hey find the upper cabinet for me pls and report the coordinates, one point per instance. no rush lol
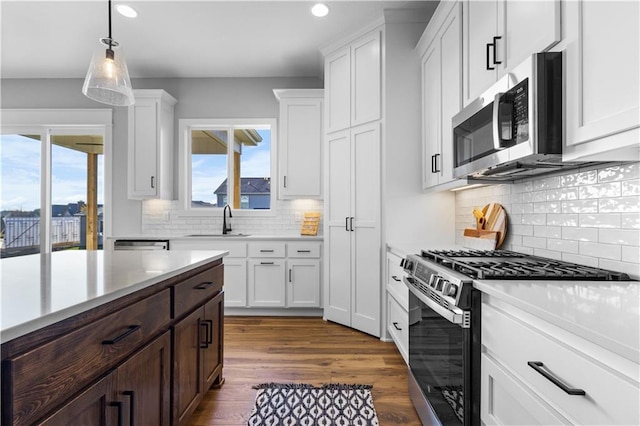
(150, 161)
(300, 142)
(500, 34)
(353, 82)
(440, 48)
(602, 54)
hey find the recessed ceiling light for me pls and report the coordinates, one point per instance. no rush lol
(127, 11)
(320, 10)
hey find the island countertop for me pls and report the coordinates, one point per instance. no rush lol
(41, 289)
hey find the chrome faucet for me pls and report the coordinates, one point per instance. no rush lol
(226, 227)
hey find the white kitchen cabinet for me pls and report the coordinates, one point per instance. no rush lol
(602, 55)
(352, 212)
(303, 283)
(397, 304)
(353, 83)
(499, 34)
(300, 143)
(266, 282)
(440, 48)
(150, 155)
(235, 265)
(517, 393)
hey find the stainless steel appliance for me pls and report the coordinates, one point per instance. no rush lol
(515, 129)
(141, 245)
(444, 343)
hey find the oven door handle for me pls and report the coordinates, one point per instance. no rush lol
(461, 319)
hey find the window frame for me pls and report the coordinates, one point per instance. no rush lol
(51, 122)
(185, 127)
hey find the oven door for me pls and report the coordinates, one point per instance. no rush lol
(445, 383)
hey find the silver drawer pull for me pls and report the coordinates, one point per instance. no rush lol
(540, 368)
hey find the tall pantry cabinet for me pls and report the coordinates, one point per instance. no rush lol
(358, 116)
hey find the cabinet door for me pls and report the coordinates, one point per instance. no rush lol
(480, 18)
(266, 282)
(338, 90)
(431, 86)
(301, 154)
(365, 247)
(531, 26)
(235, 282)
(506, 401)
(187, 366)
(143, 149)
(212, 347)
(337, 295)
(143, 384)
(93, 407)
(365, 79)
(602, 59)
(303, 281)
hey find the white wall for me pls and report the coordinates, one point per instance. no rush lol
(589, 216)
(197, 98)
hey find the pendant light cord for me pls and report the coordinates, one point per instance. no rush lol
(110, 39)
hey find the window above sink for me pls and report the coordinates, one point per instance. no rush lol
(227, 161)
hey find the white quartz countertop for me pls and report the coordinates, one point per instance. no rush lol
(41, 289)
(234, 236)
(606, 313)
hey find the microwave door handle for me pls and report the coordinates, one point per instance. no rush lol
(501, 108)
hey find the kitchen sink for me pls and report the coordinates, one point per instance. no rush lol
(218, 235)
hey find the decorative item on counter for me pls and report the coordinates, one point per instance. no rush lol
(491, 228)
(310, 223)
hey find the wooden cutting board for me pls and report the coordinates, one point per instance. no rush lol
(494, 218)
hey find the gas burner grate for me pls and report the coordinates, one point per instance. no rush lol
(504, 264)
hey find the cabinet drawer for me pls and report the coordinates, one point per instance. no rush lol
(266, 249)
(43, 378)
(235, 248)
(394, 280)
(197, 289)
(608, 399)
(398, 326)
(303, 249)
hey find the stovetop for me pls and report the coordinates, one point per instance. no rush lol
(504, 264)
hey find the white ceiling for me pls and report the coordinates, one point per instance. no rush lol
(55, 39)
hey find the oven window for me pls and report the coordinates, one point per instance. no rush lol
(473, 139)
(436, 349)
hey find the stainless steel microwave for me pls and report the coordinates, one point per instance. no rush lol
(515, 129)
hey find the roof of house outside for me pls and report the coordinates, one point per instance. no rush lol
(249, 185)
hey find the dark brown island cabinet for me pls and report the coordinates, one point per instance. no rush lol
(144, 359)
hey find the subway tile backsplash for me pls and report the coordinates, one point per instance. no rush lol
(283, 222)
(587, 216)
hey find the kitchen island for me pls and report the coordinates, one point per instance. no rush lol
(96, 335)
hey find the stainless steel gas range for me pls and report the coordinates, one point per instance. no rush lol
(444, 340)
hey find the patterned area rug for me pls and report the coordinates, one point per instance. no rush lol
(332, 404)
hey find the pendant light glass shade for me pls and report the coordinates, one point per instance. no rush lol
(107, 80)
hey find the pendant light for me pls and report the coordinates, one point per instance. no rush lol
(107, 80)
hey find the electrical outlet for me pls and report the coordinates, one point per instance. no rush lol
(297, 216)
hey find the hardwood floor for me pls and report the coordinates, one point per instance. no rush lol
(303, 350)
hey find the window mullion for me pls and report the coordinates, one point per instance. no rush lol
(45, 192)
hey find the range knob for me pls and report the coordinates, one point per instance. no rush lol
(408, 265)
(450, 290)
